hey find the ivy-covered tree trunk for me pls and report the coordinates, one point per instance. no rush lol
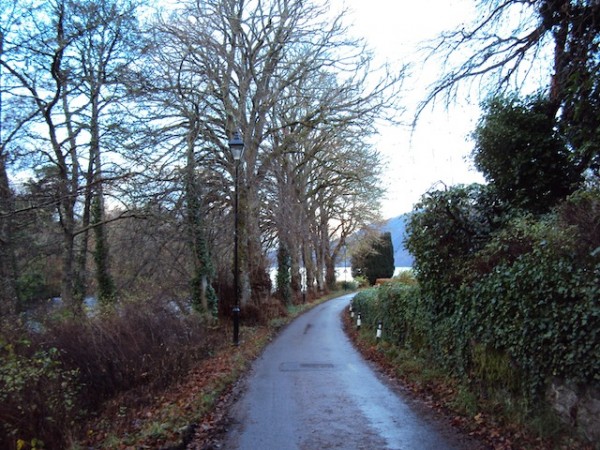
(8, 293)
(106, 286)
(81, 257)
(284, 288)
(330, 277)
(67, 290)
(295, 275)
(202, 265)
(308, 266)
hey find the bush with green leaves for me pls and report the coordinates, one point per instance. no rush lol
(375, 259)
(398, 306)
(32, 289)
(520, 152)
(503, 298)
(38, 395)
(540, 303)
(347, 285)
(447, 227)
(361, 281)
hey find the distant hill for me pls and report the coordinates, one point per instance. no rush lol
(397, 227)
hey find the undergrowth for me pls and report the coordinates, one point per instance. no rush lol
(192, 408)
(489, 409)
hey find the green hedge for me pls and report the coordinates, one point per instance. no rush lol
(543, 311)
(504, 296)
(524, 323)
(400, 310)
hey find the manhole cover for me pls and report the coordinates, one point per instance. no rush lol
(295, 366)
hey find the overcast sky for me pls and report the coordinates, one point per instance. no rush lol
(439, 149)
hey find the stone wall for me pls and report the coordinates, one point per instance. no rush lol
(580, 408)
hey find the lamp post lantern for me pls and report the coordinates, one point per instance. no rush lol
(236, 145)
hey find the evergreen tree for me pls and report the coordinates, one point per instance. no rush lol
(283, 275)
(521, 154)
(375, 261)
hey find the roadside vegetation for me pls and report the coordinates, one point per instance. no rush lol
(485, 391)
(121, 200)
(129, 230)
(503, 314)
(505, 304)
(502, 326)
(141, 375)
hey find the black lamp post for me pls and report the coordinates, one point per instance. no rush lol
(236, 145)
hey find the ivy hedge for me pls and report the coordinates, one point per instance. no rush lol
(400, 310)
(543, 311)
(521, 308)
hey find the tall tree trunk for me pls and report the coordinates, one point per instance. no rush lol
(321, 247)
(202, 266)
(295, 275)
(68, 250)
(255, 279)
(81, 277)
(8, 291)
(284, 288)
(79, 282)
(309, 266)
(106, 286)
(330, 278)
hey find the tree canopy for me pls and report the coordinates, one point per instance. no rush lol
(117, 110)
(375, 259)
(510, 40)
(522, 155)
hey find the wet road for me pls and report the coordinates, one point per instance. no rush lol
(312, 390)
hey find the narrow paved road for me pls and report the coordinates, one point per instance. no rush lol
(312, 390)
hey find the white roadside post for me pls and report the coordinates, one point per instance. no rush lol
(379, 331)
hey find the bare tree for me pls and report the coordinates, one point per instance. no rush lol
(256, 59)
(510, 39)
(68, 59)
(102, 57)
(325, 186)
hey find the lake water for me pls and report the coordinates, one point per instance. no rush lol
(345, 273)
(341, 274)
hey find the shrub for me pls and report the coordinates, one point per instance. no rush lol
(32, 288)
(515, 310)
(521, 153)
(399, 308)
(70, 365)
(38, 396)
(347, 285)
(406, 277)
(361, 281)
(444, 232)
(543, 311)
(522, 286)
(136, 344)
(374, 260)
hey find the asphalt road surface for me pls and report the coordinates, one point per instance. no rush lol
(312, 390)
